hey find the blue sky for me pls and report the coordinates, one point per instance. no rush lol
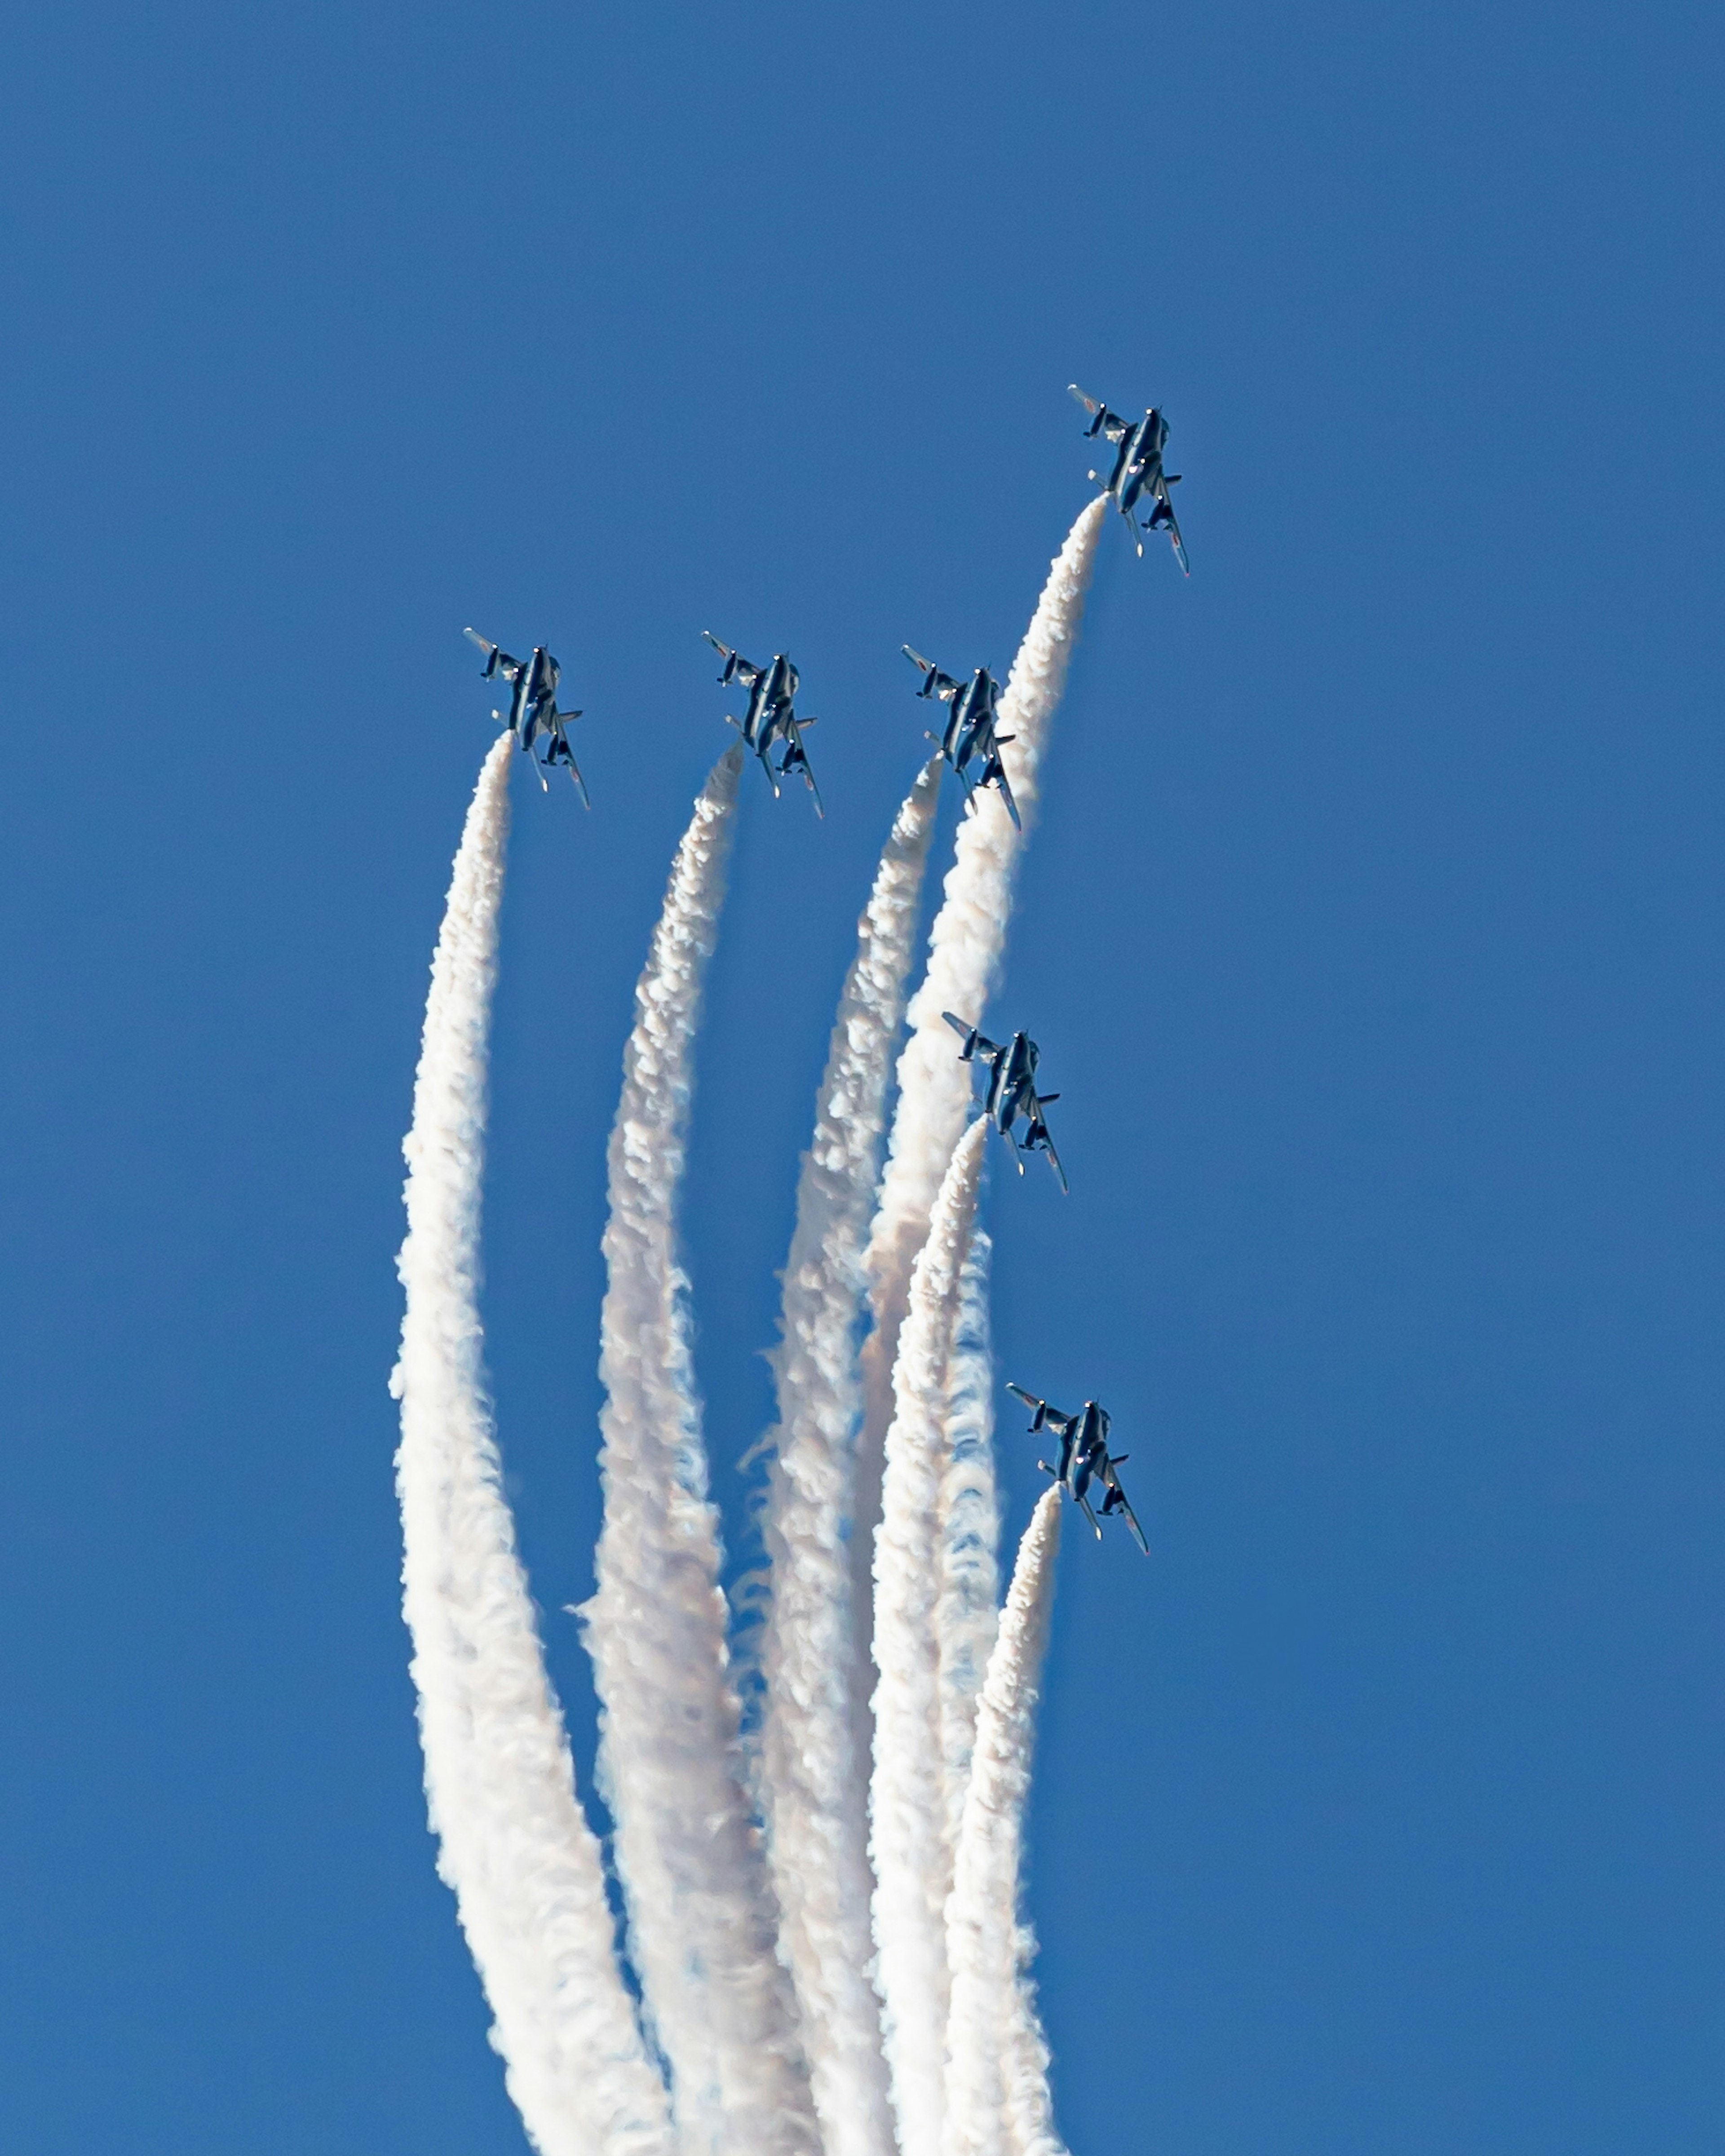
(1372, 934)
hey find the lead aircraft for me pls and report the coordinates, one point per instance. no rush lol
(533, 708)
(1137, 470)
(969, 730)
(770, 716)
(1012, 1090)
(1085, 1459)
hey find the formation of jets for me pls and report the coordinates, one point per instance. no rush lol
(971, 742)
(970, 734)
(1086, 1462)
(1012, 1090)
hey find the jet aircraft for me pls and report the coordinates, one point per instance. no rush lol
(533, 708)
(770, 717)
(1012, 1090)
(1137, 470)
(969, 730)
(1085, 1459)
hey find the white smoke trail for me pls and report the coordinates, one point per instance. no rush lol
(702, 1920)
(810, 1791)
(513, 1843)
(998, 2102)
(964, 953)
(966, 1615)
(906, 1795)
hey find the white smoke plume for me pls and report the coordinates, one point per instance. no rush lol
(513, 1843)
(810, 1786)
(964, 953)
(997, 2099)
(701, 1919)
(906, 1806)
(966, 1614)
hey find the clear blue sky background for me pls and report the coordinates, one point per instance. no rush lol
(1373, 935)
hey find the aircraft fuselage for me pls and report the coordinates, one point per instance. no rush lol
(1012, 1078)
(970, 729)
(770, 702)
(536, 691)
(1143, 446)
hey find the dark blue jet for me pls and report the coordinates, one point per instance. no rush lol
(1137, 470)
(770, 716)
(1084, 1459)
(1012, 1090)
(533, 708)
(970, 726)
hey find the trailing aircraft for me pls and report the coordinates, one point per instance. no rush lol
(770, 716)
(1012, 1090)
(1137, 470)
(533, 707)
(1084, 1459)
(969, 730)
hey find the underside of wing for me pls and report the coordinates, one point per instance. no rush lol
(1171, 524)
(737, 667)
(1090, 403)
(1124, 1509)
(497, 659)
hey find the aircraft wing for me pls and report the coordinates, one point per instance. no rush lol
(1045, 1416)
(736, 666)
(995, 773)
(1053, 1161)
(1123, 1506)
(796, 758)
(1104, 422)
(497, 660)
(1172, 524)
(978, 1044)
(936, 683)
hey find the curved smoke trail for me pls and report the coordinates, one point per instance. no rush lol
(998, 2102)
(810, 1791)
(907, 1797)
(513, 1843)
(964, 951)
(701, 1915)
(965, 1612)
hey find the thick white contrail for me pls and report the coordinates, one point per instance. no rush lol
(700, 1913)
(810, 1786)
(907, 1797)
(967, 1613)
(513, 1843)
(998, 2101)
(964, 951)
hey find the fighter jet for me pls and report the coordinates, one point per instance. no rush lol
(970, 726)
(1137, 470)
(533, 708)
(769, 717)
(1085, 1459)
(1012, 1090)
